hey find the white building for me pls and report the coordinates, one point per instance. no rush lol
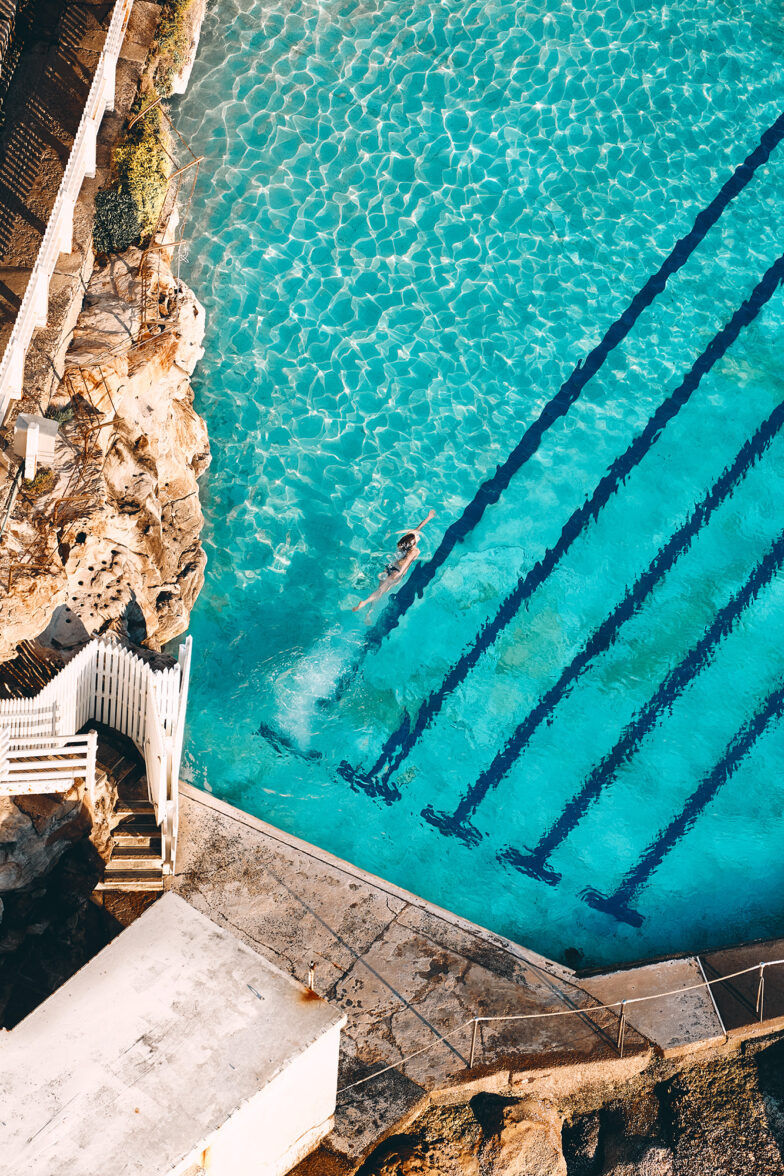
(176, 1050)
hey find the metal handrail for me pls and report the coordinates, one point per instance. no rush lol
(617, 1005)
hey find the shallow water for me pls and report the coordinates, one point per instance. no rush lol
(416, 218)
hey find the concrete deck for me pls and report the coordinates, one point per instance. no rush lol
(737, 998)
(405, 973)
(677, 1023)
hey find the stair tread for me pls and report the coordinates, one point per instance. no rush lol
(108, 757)
(124, 769)
(132, 881)
(128, 857)
(136, 836)
(129, 854)
(149, 869)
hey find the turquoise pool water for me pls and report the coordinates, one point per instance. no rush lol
(416, 219)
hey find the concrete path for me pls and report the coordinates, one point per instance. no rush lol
(42, 111)
(406, 973)
(41, 115)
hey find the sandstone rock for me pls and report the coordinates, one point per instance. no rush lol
(119, 534)
(522, 1138)
(49, 930)
(582, 1145)
(195, 18)
(26, 852)
(35, 831)
(491, 1136)
(427, 1160)
(654, 1161)
(445, 1141)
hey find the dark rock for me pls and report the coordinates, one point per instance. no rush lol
(582, 1147)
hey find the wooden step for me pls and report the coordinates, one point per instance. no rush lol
(141, 838)
(142, 821)
(108, 757)
(125, 769)
(132, 880)
(132, 857)
(131, 808)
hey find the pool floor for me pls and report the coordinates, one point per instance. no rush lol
(433, 235)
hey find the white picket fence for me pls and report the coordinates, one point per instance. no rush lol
(40, 741)
(58, 237)
(32, 765)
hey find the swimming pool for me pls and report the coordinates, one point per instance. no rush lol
(425, 240)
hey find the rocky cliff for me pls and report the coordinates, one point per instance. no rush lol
(111, 537)
(107, 535)
(714, 1113)
(52, 850)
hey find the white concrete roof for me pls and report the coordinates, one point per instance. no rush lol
(148, 1049)
(47, 427)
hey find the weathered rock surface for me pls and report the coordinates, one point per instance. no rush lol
(195, 18)
(490, 1136)
(520, 1138)
(117, 538)
(717, 1114)
(51, 853)
(50, 929)
(35, 831)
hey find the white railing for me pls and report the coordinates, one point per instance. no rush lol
(155, 757)
(58, 237)
(32, 765)
(19, 719)
(108, 683)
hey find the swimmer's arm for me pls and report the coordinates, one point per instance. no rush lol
(430, 515)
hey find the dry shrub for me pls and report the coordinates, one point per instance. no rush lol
(126, 213)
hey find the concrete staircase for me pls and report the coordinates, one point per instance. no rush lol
(136, 863)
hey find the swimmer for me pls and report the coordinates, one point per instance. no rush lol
(407, 552)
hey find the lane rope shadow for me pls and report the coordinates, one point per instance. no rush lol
(490, 491)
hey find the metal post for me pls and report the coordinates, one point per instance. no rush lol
(761, 991)
(311, 974)
(473, 1044)
(621, 1029)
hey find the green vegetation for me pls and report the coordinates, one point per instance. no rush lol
(172, 42)
(62, 413)
(43, 482)
(127, 212)
(116, 221)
